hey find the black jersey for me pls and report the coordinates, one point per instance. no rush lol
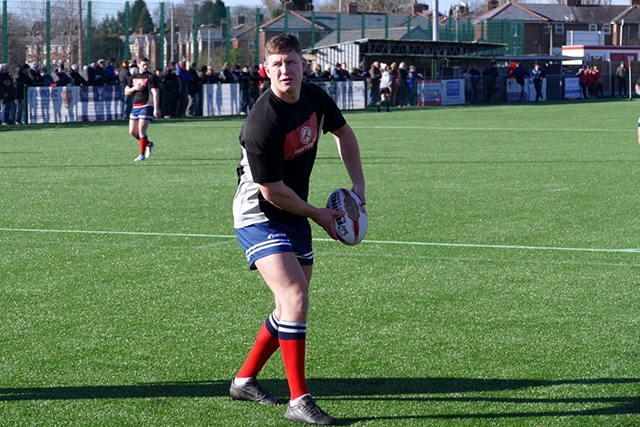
(146, 80)
(279, 143)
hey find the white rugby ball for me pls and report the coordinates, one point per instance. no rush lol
(351, 227)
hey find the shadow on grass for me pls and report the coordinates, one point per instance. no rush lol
(371, 389)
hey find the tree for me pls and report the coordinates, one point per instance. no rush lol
(212, 12)
(139, 18)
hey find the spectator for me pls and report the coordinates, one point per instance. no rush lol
(46, 77)
(254, 85)
(203, 76)
(538, 76)
(474, 79)
(76, 78)
(102, 78)
(8, 95)
(193, 91)
(183, 78)
(403, 75)
(22, 79)
(373, 83)
(171, 91)
(34, 74)
(226, 76)
(597, 82)
(133, 67)
(338, 74)
(412, 83)
(584, 81)
(393, 69)
(244, 81)
(386, 80)
(490, 76)
(110, 70)
(621, 76)
(60, 78)
(90, 74)
(354, 74)
(123, 78)
(520, 73)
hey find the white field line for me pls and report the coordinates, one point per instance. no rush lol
(380, 242)
(489, 129)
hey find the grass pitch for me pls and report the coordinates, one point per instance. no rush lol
(498, 284)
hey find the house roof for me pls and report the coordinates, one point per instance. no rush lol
(629, 15)
(396, 33)
(553, 13)
(301, 20)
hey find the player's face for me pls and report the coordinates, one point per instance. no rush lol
(144, 66)
(285, 70)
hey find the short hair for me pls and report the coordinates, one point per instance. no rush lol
(143, 59)
(282, 43)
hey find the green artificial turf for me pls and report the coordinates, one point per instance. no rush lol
(497, 285)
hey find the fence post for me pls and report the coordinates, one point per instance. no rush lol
(163, 59)
(4, 31)
(258, 15)
(48, 25)
(195, 33)
(126, 30)
(89, 35)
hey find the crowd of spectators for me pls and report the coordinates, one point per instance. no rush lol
(400, 83)
(181, 83)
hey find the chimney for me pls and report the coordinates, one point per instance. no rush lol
(223, 27)
(353, 8)
(492, 4)
(289, 5)
(571, 2)
(635, 2)
(241, 19)
(419, 7)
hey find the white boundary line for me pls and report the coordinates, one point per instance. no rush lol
(381, 242)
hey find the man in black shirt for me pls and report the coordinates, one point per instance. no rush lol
(271, 215)
(146, 105)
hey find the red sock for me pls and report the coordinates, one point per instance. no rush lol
(293, 345)
(144, 141)
(266, 344)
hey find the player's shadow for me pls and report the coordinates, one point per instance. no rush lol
(372, 389)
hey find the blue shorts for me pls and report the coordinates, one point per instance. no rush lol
(268, 238)
(144, 112)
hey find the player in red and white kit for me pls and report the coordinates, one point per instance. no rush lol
(279, 143)
(144, 87)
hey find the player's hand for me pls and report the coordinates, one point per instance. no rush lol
(324, 218)
(637, 90)
(359, 190)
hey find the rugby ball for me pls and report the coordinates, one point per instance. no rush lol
(351, 227)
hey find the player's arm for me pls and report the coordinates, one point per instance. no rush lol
(155, 94)
(350, 154)
(638, 88)
(283, 197)
(129, 90)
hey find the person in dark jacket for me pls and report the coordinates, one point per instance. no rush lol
(76, 78)
(123, 79)
(8, 94)
(22, 79)
(34, 75)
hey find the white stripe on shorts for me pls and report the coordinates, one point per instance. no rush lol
(266, 245)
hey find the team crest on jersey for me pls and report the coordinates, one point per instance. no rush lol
(306, 134)
(302, 139)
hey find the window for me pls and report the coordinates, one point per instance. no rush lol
(593, 27)
(606, 28)
(559, 29)
(547, 29)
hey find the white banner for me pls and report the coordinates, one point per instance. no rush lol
(453, 92)
(60, 104)
(220, 99)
